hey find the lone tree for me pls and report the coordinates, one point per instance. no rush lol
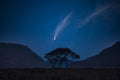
(61, 57)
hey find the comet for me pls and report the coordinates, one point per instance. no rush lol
(94, 14)
(63, 24)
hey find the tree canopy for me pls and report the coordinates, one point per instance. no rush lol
(61, 57)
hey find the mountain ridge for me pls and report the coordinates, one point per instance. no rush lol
(107, 58)
(14, 55)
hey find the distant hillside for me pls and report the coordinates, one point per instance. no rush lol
(18, 56)
(108, 58)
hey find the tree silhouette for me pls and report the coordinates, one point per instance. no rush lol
(61, 57)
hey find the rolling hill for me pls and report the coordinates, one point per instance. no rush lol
(107, 58)
(19, 56)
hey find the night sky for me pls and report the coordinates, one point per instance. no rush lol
(84, 26)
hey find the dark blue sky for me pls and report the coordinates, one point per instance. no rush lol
(33, 23)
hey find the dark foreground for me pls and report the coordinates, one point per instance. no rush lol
(59, 74)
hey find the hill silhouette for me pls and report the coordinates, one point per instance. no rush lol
(19, 56)
(108, 58)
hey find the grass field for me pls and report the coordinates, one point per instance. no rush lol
(59, 74)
